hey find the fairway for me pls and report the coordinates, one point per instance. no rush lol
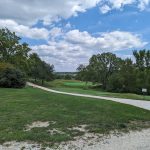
(75, 86)
(20, 107)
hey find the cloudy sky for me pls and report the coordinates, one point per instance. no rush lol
(67, 33)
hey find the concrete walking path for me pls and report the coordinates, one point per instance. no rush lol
(138, 103)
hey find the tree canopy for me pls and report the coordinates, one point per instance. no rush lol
(116, 74)
(20, 55)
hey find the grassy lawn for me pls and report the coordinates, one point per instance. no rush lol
(19, 107)
(103, 93)
(75, 86)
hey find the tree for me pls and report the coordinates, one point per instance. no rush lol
(12, 51)
(142, 58)
(40, 69)
(103, 66)
(34, 63)
(46, 72)
(124, 80)
(10, 77)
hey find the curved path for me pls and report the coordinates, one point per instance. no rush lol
(137, 103)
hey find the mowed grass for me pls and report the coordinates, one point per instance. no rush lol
(80, 87)
(99, 92)
(67, 83)
(19, 107)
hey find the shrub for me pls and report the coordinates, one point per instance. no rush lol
(11, 77)
(115, 83)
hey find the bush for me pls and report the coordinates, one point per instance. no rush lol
(115, 83)
(11, 77)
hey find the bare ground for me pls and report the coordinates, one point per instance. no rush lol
(134, 140)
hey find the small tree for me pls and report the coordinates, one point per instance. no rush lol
(11, 77)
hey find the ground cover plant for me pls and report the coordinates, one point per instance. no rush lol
(21, 107)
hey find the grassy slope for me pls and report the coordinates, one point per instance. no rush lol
(81, 87)
(19, 107)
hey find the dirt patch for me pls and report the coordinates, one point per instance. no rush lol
(13, 145)
(37, 124)
(134, 140)
(55, 131)
(81, 128)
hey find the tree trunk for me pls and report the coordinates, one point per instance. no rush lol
(42, 82)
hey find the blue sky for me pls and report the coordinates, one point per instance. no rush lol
(67, 33)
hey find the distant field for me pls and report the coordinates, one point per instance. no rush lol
(67, 83)
(19, 107)
(76, 86)
(70, 83)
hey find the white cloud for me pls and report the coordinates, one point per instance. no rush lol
(25, 31)
(117, 4)
(108, 5)
(28, 12)
(143, 4)
(68, 25)
(105, 9)
(55, 32)
(76, 47)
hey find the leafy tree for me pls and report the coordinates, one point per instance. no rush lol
(11, 77)
(46, 72)
(11, 51)
(124, 79)
(142, 58)
(40, 69)
(103, 66)
(34, 63)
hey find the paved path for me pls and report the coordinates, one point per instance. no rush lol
(137, 103)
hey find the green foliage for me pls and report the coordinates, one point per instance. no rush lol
(40, 69)
(11, 77)
(11, 51)
(17, 54)
(115, 83)
(118, 75)
(68, 77)
(100, 68)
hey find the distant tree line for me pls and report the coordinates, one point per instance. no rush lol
(17, 63)
(118, 75)
(65, 75)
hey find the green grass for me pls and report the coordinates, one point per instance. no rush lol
(19, 107)
(98, 92)
(75, 86)
(67, 83)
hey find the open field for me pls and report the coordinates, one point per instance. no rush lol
(22, 107)
(75, 86)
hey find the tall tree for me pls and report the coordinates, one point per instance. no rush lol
(40, 69)
(103, 65)
(12, 51)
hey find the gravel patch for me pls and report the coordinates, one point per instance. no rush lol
(134, 140)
